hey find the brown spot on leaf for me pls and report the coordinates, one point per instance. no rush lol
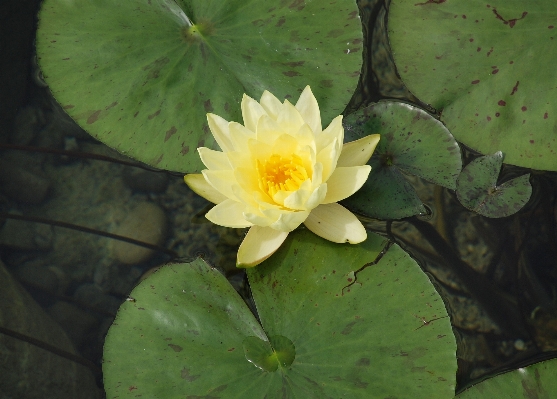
(169, 133)
(158, 160)
(111, 105)
(335, 33)
(155, 67)
(326, 83)
(488, 118)
(281, 21)
(176, 348)
(363, 362)
(501, 103)
(208, 106)
(523, 108)
(545, 115)
(186, 375)
(353, 15)
(154, 114)
(291, 73)
(185, 149)
(93, 117)
(69, 106)
(475, 82)
(348, 328)
(515, 88)
(298, 5)
(430, 2)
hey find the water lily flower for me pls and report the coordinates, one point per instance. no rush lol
(279, 170)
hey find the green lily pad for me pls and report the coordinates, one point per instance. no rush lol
(412, 141)
(478, 191)
(486, 67)
(140, 77)
(330, 330)
(533, 382)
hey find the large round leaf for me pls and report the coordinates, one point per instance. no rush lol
(412, 141)
(339, 321)
(138, 76)
(488, 68)
(534, 382)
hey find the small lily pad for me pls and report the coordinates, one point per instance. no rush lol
(140, 75)
(413, 142)
(478, 191)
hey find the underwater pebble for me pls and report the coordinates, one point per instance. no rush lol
(24, 236)
(23, 185)
(73, 320)
(28, 122)
(147, 223)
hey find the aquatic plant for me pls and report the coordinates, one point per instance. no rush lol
(331, 320)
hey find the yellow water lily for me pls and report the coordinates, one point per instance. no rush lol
(279, 170)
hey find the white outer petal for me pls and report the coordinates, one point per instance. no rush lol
(334, 130)
(222, 181)
(201, 187)
(309, 109)
(289, 220)
(270, 104)
(214, 160)
(358, 152)
(289, 119)
(345, 181)
(335, 223)
(219, 128)
(258, 245)
(228, 213)
(251, 112)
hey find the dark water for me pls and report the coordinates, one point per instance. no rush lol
(498, 276)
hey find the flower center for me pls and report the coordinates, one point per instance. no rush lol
(281, 173)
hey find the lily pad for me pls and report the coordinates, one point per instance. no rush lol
(336, 321)
(140, 75)
(536, 381)
(413, 142)
(478, 191)
(473, 61)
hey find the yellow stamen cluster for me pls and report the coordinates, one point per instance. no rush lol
(281, 173)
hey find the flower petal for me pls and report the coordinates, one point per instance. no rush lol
(333, 131)
(239, 135)
(228, 213)
(289, 119)
(289, 220)
(328, 157)
(345, 181)
(214, 160)
(258, 245)
(201, 187)
(309, 110)
(270, 104)
(221, 180)
(268, 130)
(219, 128)
(316, 197)
(251, 112)
(358, 152)
(335, 223)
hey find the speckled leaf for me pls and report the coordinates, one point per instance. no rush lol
(412, 142)
(188, 333)
(355, 332)
(136, 75)
(478, 191)
(488, 66)
(533, 382)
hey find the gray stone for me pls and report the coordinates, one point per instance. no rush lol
(146, 223)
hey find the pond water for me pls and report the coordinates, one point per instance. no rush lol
(62, 191)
